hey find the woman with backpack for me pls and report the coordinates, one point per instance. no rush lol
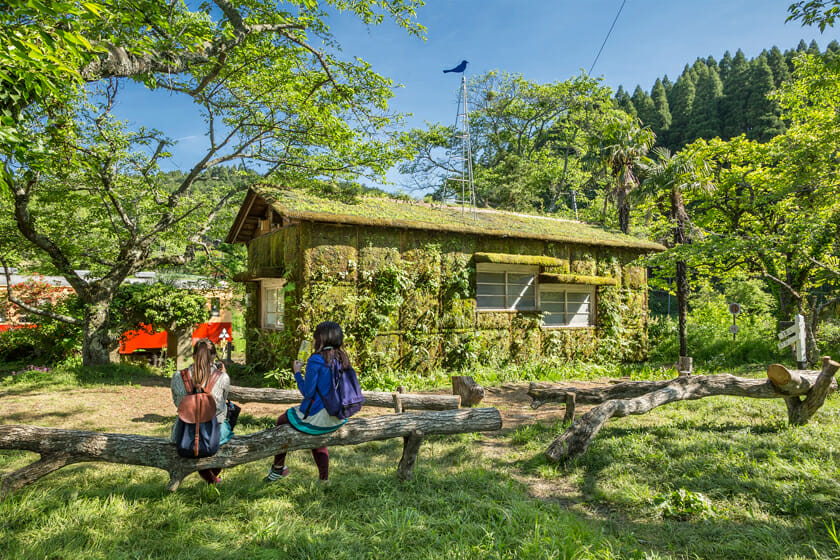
(206, 369)
(310, 417)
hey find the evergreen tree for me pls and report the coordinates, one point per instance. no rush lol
(813, 48)
(668, 85)
(725, 66)
(711, 63)
(683, 100)
(662, 122)
(779, 66)
(645, 107)
(735, 92)
(705, 117)
(832, 47)
(762, 113)
(802, 46)
(624, 102)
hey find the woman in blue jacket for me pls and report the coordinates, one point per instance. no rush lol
(310, 417)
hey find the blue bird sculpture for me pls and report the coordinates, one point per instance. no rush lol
(458, 69)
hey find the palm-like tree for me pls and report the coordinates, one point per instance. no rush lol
(625, 144)
(672, 175)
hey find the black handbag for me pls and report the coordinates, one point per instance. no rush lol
(233, 411)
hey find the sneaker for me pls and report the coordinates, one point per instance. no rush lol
(275, 473)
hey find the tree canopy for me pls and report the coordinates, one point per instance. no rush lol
(84, 191)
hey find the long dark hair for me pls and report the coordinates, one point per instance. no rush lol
(329, 342)
(204, 355)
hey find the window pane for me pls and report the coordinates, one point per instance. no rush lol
(270, 319)
(490, 302)
(491, 289)
(579, 320)
(553, 307)
(519, 278)
(554, 319)
(490, 277)
(552, 297)
(578, 297)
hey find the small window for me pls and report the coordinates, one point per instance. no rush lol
(567, 306)
(508, 287)
(272, 304)
(215, 306)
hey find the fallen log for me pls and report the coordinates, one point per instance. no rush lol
(59, 448)
(790, 386)
(413, 401)
(546, 393)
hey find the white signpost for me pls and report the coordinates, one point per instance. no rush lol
(223, 338)
(795, 336)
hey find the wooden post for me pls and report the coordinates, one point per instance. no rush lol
(398, 405)
(411, 445)
(471, 392)
(569, 417)
(685, 366)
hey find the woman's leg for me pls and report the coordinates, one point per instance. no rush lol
(280, 458)
(322, 460)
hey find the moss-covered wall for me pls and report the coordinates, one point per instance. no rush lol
(406, 298)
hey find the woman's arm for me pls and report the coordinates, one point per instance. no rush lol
(309, 383)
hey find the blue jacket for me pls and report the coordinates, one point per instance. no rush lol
(318, 375)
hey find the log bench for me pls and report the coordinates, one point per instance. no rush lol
(59, 447)
(397, 400)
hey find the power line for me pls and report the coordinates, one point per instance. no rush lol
(607, 37)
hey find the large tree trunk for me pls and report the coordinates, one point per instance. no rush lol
(96, 340)
(623, 203)
(680, 238)
(59, 447)
(682, 307)
(576, 439)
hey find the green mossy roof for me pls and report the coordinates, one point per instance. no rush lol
(502, 258)
(578, 279)
(303, 204)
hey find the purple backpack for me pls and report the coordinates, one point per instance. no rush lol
(344, 399)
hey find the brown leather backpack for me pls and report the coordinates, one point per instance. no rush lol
(198, 407)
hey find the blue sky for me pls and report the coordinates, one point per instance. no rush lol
(541, 39)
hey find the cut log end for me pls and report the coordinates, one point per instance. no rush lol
(779, 375)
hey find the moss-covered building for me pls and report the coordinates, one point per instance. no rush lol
(418, 286)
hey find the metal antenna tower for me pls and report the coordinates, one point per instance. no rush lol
(460, 159)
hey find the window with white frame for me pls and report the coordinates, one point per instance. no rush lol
(272, 303)
(507, 287)
(567, 305)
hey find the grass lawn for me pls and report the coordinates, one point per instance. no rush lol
(716, 478)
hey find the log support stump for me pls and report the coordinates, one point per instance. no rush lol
(470, 392)
(411, 445)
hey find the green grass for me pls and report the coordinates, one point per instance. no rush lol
(754, 487)
(454, 508)
(773, 489)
